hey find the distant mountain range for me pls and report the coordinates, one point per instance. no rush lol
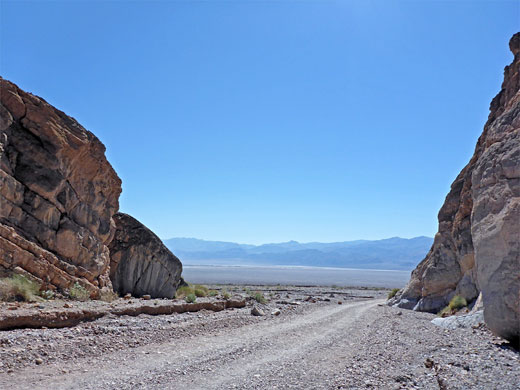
(392, 253)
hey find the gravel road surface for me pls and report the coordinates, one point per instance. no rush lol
(357, 344)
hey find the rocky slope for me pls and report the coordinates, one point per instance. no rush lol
(140, 263)
(477, 248)
(57, 195)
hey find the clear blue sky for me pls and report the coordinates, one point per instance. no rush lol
(262, 121)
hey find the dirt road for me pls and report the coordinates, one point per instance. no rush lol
(359, 344)
(302, 351)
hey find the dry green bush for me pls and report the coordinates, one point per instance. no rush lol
(200, 290)
(392, 293)
(197, 289)
(225, 294)
(457, 302)
(183, 291)
(79, 293)
(18, 288)
(199, 293)
(107, 295)
(190, 298)
(259, 297)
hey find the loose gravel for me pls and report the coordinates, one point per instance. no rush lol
(312, 343)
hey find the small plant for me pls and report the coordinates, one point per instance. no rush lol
(225, 294)
(200, 291)
(183, 291)
(79, 293)
(190, 298)
(213, 293)
(47, 294)
(259, 297)
(201, 287)
(107, 295)
(392, 293)
(457, 302)
(18, 288)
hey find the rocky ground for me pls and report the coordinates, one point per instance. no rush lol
(306, 339)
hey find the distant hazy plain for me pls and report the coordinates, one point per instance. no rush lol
(294, 275)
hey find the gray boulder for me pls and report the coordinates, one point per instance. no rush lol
(496, 231)
(467, 287)
(462, 321)
(140, 264)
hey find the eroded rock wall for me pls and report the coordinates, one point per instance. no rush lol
(477, 247)
(57, 195)
(140, 263)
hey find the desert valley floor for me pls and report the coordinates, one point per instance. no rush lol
(309, 338)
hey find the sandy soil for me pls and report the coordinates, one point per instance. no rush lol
(314, 343)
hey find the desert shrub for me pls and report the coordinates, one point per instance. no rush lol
(392, 293)
(47, 294)
(259, 297)
(200, 291)
(183, 291)
(457, 302)
(79, 293)
(18, 288)
(201, 287)
(213, 293)
(190, 298)
(225, 294)
(107, 295)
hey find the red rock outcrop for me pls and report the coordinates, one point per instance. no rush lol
(477, 247)
(58, 194)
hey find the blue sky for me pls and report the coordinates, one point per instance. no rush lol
(266, 121)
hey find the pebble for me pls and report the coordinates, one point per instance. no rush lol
(257, 312)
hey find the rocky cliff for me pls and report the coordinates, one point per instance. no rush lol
(477, 247)
(57, 195)
(140, 263)
(58, 204)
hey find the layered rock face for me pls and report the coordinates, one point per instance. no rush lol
(57, 195)
(140, 262)
(477, 248)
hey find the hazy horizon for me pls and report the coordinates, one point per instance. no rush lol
(288, 241)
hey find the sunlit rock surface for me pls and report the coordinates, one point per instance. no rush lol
(477, 247)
